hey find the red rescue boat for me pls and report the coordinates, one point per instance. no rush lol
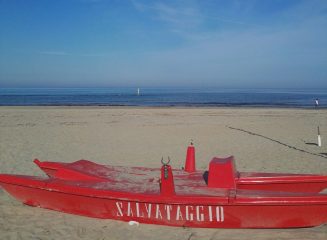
(218, 198)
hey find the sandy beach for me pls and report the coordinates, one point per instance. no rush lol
(265, 140)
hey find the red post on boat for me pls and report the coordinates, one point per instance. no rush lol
(167, 186)
(190, 159)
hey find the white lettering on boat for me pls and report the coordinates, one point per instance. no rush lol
(148, 209)
(199, 216)
(170, 212)
(189, 216)
(138, 210)
(158, 213)
(210, 213)
(179, 213)
(129, 210)
(168, 209)
(219, 214)
(119, 205)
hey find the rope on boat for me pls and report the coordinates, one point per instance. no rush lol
(276, 141)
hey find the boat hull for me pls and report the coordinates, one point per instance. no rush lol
(175, 211)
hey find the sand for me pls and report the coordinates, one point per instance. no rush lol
(271, 140)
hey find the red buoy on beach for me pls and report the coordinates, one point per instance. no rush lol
(190, 159)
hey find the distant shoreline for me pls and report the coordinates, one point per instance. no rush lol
(157, 107)
(161, 97)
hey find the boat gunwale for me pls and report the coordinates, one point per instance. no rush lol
(282, 200)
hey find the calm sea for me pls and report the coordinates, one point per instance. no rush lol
(302, 98)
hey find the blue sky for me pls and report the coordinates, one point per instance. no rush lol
(138, 43)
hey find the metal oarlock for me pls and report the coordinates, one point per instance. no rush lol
(165, 164)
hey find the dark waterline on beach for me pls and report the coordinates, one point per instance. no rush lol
(163, 97)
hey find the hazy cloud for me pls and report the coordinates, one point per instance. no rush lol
(63, 53)
(167, 43)
(59, 53)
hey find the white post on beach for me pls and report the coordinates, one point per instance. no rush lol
(319, 138)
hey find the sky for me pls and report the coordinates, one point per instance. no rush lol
(181, 43)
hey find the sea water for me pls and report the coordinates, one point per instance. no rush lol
(199, 97)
